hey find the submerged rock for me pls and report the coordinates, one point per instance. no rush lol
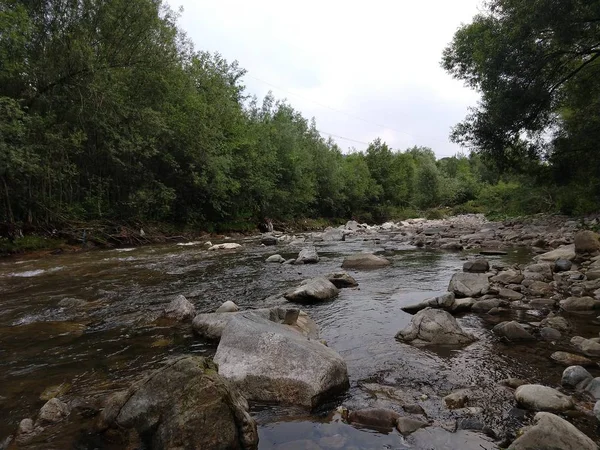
(571, 359)
(408, 425)
(579, 304)
(342, 280)
(313, 291)
(434, 327)
(542, 398)
(476, 266)
(379, 418)
(53, 411)
(513, 331)
(469, 284)
(365, 261)
(269, 362)
(180, 309)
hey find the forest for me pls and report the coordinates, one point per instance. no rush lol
(109, 113)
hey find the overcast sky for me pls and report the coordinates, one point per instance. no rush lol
(362, 69)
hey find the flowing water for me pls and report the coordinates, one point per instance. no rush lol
(88, 321)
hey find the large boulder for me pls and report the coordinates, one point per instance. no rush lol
(362, 261)
(587, 242)
(513, 331)
(542, 398)
(313, 291)
(185, 404)
(588, 347)
(469, 284)
(307, 256)
(180, 309)
(269, 362)
(580, 304)
(434, 327)
(575, 376)
(552, 432)
(563, 252)
(479, 265)
(445, 302)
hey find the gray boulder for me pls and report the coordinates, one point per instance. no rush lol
(469, 284)
(509, 294)
(53, 411)
(563, 252)
(342, 280)
(476, 266)
(268, 239)
(571, 359)
(552, 432)
(562, 265)
(269, 362)
(575, 376)
(557, 322)
(445, 302)
(434, 327)
(307, 256)
(542, 398)
(275, 259)
(580, 304)
(483, 306)
(365, 261)
(550, 334)
(180, 309)
(587, 242)
(227, 307)
(508, 276)
(513, 331)
(185, 404)
(588, 347)
(313, 291)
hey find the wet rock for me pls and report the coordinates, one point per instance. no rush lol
(552, 432)
(84, 408)
(539, 289)
(307, 256)
(374, 417)
(593, 274)
(434, 327)
(463, 304)
(542, 398)
(512, 382)
(72, 303)
(414, 408)
(476, 266)
(25, 427)
(275, 259)
(562, 265)
(587, 242)
(313, 291)
(180, 309)
(513, 331)
(342, 280)
(544, 269)
(550, 334)
(508, 277)
(593, 387)
(183, 397)
(586, 346)
(509, 294)
(269, 362)
(227, 307)
(469, 284)
(365, 261)
(557, 322)
(563, 252)
(408, 425)
(575, 376)
(597, 410)
(445, 301)
(55, 391)
(571, 359)
(484, 306)
(225, 246)
(337, 441)
(453, 245)
(52, 412)
(580, 304)
(457, 399)
(268, 239)
(210, 326)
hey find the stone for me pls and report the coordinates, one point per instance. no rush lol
(544, 268)
(225, 246)
(586, 346)
(539, 289)
(587, 242)
(365, 261)
(275, 259)
(57, 390)
(408, 425)
(342, 280)
(552, 432)
(563, 252)
(476, 266)
(550, 334)
(513, 331)
(513, 382)
(180, 309)
(469, 284)
(434, 327)
(227, 307)
(374, 417)
(457, 399)
(575, 376)
(562, 265)
(508, 276)
(484, 306)
(542, 398)
(53, 411)
(445, 301)
(579, 304)
(571, 359)
(593, 274)
(557, 322)
(463, 304)
(269, 362)
(307, 256)
(26, 426)
(181, 398)
(593, 387)
(509, 294)
(313, 291)
(268, 239)
(597, 410)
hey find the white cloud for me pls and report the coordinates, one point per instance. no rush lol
(378, 61)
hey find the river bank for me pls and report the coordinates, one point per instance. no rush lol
(92, 321)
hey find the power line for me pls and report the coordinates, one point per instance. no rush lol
(342, 137)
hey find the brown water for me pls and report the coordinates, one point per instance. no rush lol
(110, 336)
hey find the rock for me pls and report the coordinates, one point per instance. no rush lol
(408, 425)
(544, 269)
(469, 284)
(513, 331)
(483, 306)
(180, 309)
(509, 294)
(587, 242)
(275, 259)
(539, 289)
(557, 322)
(575, 376)
(25, 427)
(210, 326)
(453, 245)
(457, 399)
(364, 261)
(564, 252)
(571, 359)
(550, 334)
(542, 398)
(342, 280)
(268, 239)
(227, 307)
(184, 397)
(492, 251)
(374, 417)
(225, 246)
(307, 256)
(593, 274)
(593, 387)
(597, 410)
(313, 291)
(270, 362)
(552, 432)
(55, 391)
(434, 327)
(70, 302)
(562, 265)
(508, 277)
(445, 301)
(53, 411)
(586, 346)
(476, 266)
(579, 304)
(463, 304)
(513, 382)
